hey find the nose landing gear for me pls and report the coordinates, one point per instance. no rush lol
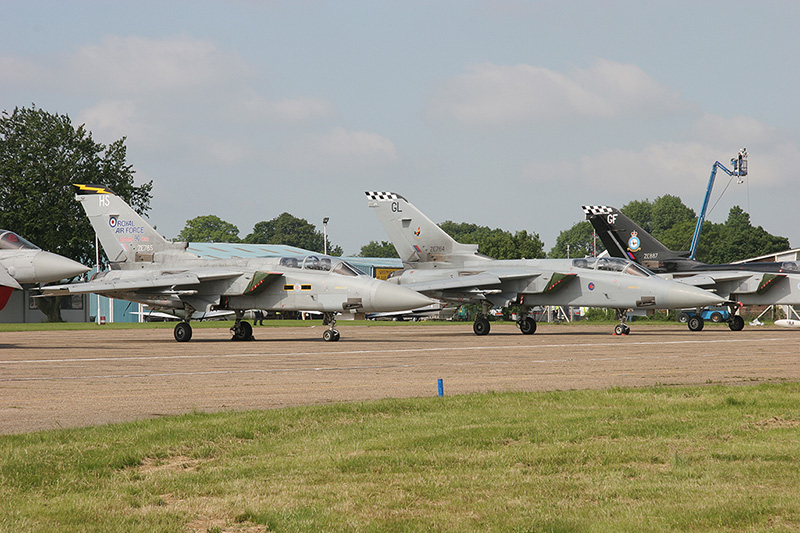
(330, 334)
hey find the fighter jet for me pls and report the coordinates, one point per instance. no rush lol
(24, 262)
(745, 283)
(439, 267)
(148, 269)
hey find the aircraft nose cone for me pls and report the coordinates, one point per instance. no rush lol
(51, 267)
(681, 295)
(391, 297)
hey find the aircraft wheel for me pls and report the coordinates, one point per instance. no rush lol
(696, 323)
(621, 329)
(716, 317)
(683, 318)
(244, 332)
(481, 326)
(527, 326)
(330, 335)
(736, 323)
(183, 332)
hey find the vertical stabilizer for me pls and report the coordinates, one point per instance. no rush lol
(124, 235)
(416, 238)
(622, 237)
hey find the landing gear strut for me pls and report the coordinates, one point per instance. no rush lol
(330, 334)
(735, 322)
(622, 328)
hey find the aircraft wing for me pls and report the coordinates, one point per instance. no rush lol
(147, 280)
(471, 281)
(708, 279)
(144, 282)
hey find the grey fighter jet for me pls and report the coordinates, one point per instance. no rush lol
(24, 262)
(442, 268)
(742, 283)
(148, 269)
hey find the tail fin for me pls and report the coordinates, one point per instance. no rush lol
(124, 235)
(622, 237)
(416, 238)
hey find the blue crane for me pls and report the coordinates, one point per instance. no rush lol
(739, 164)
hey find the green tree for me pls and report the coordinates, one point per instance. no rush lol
(641, 212)
(743, 241)
(580, 239)
(41, 156)
(378, 249)
(658, 216)
(209, 228)
(667, 212)
(291, 231)
(496, 243)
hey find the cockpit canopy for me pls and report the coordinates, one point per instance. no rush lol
(790, 266)
(323, 263)
(612, 264)
(11, 241)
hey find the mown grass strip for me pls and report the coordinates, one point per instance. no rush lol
(650, 459)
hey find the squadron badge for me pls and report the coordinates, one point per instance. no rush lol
(634, 245)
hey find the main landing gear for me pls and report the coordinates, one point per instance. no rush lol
(183, 332)
(241, 330)
(330, 334)
(481, 326)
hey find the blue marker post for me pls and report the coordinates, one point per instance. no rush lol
(441, 387)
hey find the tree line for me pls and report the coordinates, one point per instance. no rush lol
(43, 154)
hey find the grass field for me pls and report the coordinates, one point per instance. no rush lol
(654, 459)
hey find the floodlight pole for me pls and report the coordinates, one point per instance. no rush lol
(97, 268)
(325, 234)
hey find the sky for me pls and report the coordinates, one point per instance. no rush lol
(504, 113)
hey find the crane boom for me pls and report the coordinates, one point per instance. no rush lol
(739, 165)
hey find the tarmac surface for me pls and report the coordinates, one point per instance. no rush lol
(79, 378)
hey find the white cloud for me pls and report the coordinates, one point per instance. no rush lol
(137, 65)
(14, 70)
(341, 149)
(289, 110)
(111, 119)
(733, 132)
(496, 94)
